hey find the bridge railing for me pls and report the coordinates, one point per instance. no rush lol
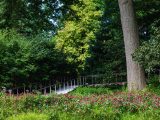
(66, 84)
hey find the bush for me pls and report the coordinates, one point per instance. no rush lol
(14, 58)
(116, 106)
(148, 54)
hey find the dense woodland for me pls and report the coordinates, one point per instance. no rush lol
(79, 59)
(44, 39)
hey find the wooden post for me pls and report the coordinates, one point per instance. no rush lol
(64, 85)
(35, 87)
(71, 83)
(67, 84)
(55, 89)
(27, 91)
(116, 78)
(17, 92)
(45, 91)
(50, 89)
(30, 87)
(95, 80)
(24, 88)
(40, 87)
(75, 82)
(4, 90)
(80, 80)
(59, 86)
(121, 78)
(83, 80)
(10, 92)
(159, 75)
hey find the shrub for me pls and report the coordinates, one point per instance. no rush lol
(148, 54)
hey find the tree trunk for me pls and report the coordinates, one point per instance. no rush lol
(135, 73)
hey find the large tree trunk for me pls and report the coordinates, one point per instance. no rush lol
(135, 73)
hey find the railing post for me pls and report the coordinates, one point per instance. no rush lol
(95, 80)
(71, 83)
(4, 90)
(67, 84)
(59, 86)
(24, 88)
(80, 80)
(10, 92)
(121, 78)
(64, 87)
(83, 81)
(30, 87)
(27, 91)
(45, 91)
(159, 75)
(35, 87)
(74, 83)
(50, 89)
(116, 78)
(40, 88)
(55, 89)
(77, 82)
(17, 92)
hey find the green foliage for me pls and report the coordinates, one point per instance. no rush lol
(14, 57)
(29, 59)
(154, 86)
(154, 80)
(148, 54)
(89, 38)
(119, 105)
(29, 17)
(74, 39)
(91, 90)
(88, 113)
(29, 116)
(107, 51)
(150, 114)
(48, 62)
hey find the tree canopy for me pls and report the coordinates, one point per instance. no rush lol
(42, 39)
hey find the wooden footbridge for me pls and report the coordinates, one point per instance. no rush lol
(64, 85)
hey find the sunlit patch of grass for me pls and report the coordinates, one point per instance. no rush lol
(91, 90)
(29, 116)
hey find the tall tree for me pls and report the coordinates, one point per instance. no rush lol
(107, 55)
(135, 73)
(30, 17)
(75, 38)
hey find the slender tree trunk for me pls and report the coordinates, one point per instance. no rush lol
(135, 73)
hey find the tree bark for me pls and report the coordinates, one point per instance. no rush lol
(135, 73)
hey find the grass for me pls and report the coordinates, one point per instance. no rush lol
(98, 90)
(28, 116)
(146, 115)
(91, 90)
